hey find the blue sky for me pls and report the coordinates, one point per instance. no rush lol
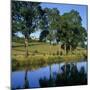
(82, 9)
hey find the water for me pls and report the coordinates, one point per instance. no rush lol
(33, 76)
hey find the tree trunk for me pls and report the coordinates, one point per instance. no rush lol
(26, 47)
(50, 42)
(70, 49)
(60, 49)
(50, 47)
(65, 49)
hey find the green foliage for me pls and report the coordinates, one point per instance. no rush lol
(25, 17)
(71, 32)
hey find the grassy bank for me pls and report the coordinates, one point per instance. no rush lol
(42, 54)
(37, 61)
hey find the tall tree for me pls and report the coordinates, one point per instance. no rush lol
(25, 18)
(71, 32)
(44, 26)
(50, 22)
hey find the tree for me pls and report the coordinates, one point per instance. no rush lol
(44, 26)
(50, 22)
(43, 35)
(49, 25)
(25, 18)
(71, 33)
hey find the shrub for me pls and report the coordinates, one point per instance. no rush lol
(36, 51)
(57, 52)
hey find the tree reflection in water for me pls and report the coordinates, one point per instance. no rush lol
(69, 76)
(26, 84)
(26, 81)
(47, 82)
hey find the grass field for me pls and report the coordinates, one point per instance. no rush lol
(35, 47)
(40, 48)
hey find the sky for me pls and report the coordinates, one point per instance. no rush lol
(63, 8)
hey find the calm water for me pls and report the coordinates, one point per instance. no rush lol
(33, 76)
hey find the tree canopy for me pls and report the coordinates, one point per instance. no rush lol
(28, 17)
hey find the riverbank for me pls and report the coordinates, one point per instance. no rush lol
(42, 54)
(36, 61)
